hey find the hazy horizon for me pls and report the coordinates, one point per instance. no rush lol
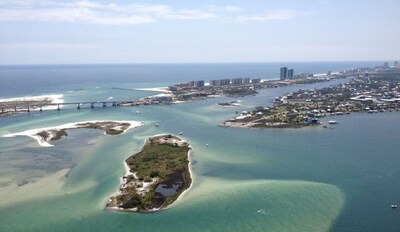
(204, 63)
(169, 32)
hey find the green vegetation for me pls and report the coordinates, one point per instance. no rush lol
(59, 134)
(239, 91)
(162, 162)
(56, 134)
(108, 127)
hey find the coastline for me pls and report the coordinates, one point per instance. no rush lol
(74, 125)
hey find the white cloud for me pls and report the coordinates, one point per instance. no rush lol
(271, 15)
(125, 14)
(190, 14)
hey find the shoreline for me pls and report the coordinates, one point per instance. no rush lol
(74, 125)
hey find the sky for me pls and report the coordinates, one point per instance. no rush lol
(202, 31)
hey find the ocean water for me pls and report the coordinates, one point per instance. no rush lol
(313, 179)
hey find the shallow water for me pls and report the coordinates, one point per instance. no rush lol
(313, 179)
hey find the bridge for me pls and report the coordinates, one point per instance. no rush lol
(30, 105)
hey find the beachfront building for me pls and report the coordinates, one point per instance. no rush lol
(283, 75)
(237, 81)
(197, 84)
(290, 73)
(220, 82)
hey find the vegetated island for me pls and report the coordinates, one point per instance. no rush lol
(375, 93)
(156, 176)
(45, 135)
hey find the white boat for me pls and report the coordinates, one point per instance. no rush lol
(332, 122)
(156, 125)
(181, 133)
(394, 206)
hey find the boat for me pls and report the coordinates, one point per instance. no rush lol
(332, 122)
(181, 133)
(156, 125)
(394, 206)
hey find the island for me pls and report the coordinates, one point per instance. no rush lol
(45, 135)
(155, 177)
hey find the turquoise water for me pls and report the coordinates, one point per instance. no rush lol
(314, 179)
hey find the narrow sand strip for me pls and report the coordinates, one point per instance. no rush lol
(74, 125)
(157, 89)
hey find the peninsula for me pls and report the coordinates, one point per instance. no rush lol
(156, 176)
(378, 92)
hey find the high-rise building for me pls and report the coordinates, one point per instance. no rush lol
(255, 80)
(237, 81)
(386, 65)
(199, 84)
(246, 80)
(284, 73)
(214, 82)
(225, 82)
(290, 73)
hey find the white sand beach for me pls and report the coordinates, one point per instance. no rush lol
(156, 89)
